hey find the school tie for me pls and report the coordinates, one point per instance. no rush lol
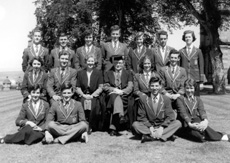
(87, 49)
(173, 71)
(118, 79)
(138, 49)
(35, 76)
(36, 49)
(189, 50)
(147, 77)
(62, 74)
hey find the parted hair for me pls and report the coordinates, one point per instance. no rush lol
(174, 51)
(63, 52)
(139, 34)
(190, 82)
(66, 85)
(36, 30)
(87, 32)
(155, 79)
(187, 32)
(34, 88)
(95, 59)
(39, 59)
(143, 59)
(162, 32)
(114, 28)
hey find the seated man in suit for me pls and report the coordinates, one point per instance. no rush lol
(66, 119)
(195, 122)
(63, 46)
(155, 119)
(35, 49)
(173, 77)
(60, 75)
(118, 83)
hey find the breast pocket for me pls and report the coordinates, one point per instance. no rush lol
(195, 61)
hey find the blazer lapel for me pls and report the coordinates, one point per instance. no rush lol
(32, 51)
(141, 54)
(67, 73)
(58, 75)
(194, 50)
(142, 77)
(169, 73)
(190, 107)
(38, 79)
(166, 54)
(70, 109)
(185, 53)
(177, 73)
(30, 106)
(30, 78)
(160, 105)
(159, 54)
(41, 50)
(150, 104)
(40, 109)
(62, 109)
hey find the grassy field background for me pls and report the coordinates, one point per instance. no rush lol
(105, 149)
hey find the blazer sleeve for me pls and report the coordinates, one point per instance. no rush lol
(182, 110)
(24, 89)
(169, 113)
(81, 114)
(107, 86)
(51, 60)
(183, 78)
(129, 60)
(77, 60)
(201, 109)
(99, 59)
(164, 80)
(51, 115)
(50, 84)
(25, 60)
(44, 90)
(141, 114)
(21, 119)
(201, 67)
(43, 126)
(100, 86)
(46, 60)
(129, 88)
(73, 79)
(136, 85)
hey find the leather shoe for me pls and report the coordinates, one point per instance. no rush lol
(113, 133)
(122, 120)
(172, 138)
(146, 138)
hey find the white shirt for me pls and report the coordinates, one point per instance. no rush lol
(88, 76)
(62, 71)
(115, 45)
(147, 75)
(163, 50)
(36, 48)
(156, 98)
(171, 67)
(35, 76)
(139, 49)
(189, 49)
(36, 106)
(88, 48)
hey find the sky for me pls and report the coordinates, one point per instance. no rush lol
(17, 19)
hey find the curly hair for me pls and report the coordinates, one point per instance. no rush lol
(39, 59)
(143, 59)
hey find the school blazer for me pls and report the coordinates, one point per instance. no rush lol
(140, 84)
(54, 58)
(108, 51)
(79, 58)
(191, 110)
(27, 113)
(173, 84)
(162, 117)
(73, 115)
(28, 82)
(134, 58)
(126, 81)
(54, 82)
(158, 60)
(29, 54)
(193, 64)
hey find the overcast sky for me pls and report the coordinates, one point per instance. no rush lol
(17, 19)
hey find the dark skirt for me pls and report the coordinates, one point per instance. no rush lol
(25, 135)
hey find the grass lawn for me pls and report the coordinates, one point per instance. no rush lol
(105, 149)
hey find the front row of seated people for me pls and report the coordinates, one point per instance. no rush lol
(155, 120)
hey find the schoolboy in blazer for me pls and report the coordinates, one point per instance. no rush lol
(161, 51)
(35, 50)
(87, 50)
(192, 60)
(194, 117)
(155, 119)
(54, 55)
(59, 75)
(114, 47)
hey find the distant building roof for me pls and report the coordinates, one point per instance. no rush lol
(6, 81)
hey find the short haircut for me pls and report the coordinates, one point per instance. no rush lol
(162, 33)
(190, 82)
(143, 59)
(39, 59)
(139, 34)
(36, 30)
(91, 56)
(66, 85)
(187, 32)
(34, 88)
(115, 28)
(116, 58)
(174, 51)
(63, 52)
(63, 35)
(88, 32)
(155, 79)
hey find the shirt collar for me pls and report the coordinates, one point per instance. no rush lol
(38, 46)
(171, 67)
(191, 47)
(36, 104)
(145, 73)
(156, 97)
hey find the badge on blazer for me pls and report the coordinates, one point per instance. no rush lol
(195, 62)
(74, 119)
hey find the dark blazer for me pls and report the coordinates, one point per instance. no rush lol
(191, 110)
(58, 113)
(108, 51)
(193, 64)
(96, 79)
(134, 58)
(162, 117)
(140, 84)
(173, 84)
(54, 58)
(79, 58)
(28, 82)
(27, 113)
(158, 60)
(29, 53)
(126, 81)
(54, 82)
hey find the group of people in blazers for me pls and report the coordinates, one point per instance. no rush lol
(152, 92)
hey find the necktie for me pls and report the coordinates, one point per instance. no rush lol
(118, 80)
(35, 75)
(189, 50)
(173, 70)
(154, 100)
(36, 49)
(147, 78)
(139, 50)
(87, 49)
(62, 74)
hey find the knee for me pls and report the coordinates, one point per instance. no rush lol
(135, 124)
(178, 123)
(83, 125)
(51, 125)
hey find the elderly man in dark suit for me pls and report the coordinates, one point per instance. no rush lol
(155, 119)
(60, 75)
(35, 50)
(192, 60)
(118, 83)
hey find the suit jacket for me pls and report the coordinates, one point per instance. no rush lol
(79, 58)
(191, 110)
(134, 58)
(27, 113)
(29, 53)
(54, 58)
(28, 82)
(73, 115)
(108, 51)
(158, 60)
(126, 81)
(140, 84)
(96, 79)
(174, 84)
(193, 64)
(163, 116)
(55, 82)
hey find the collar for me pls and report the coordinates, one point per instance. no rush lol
(36, 104)
(145, 73)
(191, 47)
(63, 69)
(38, 46)
(61, 48)
(113, 43)
(155, 97)
(171, 67)
(141, 47)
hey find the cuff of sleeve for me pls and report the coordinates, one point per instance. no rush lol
(203, 78)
